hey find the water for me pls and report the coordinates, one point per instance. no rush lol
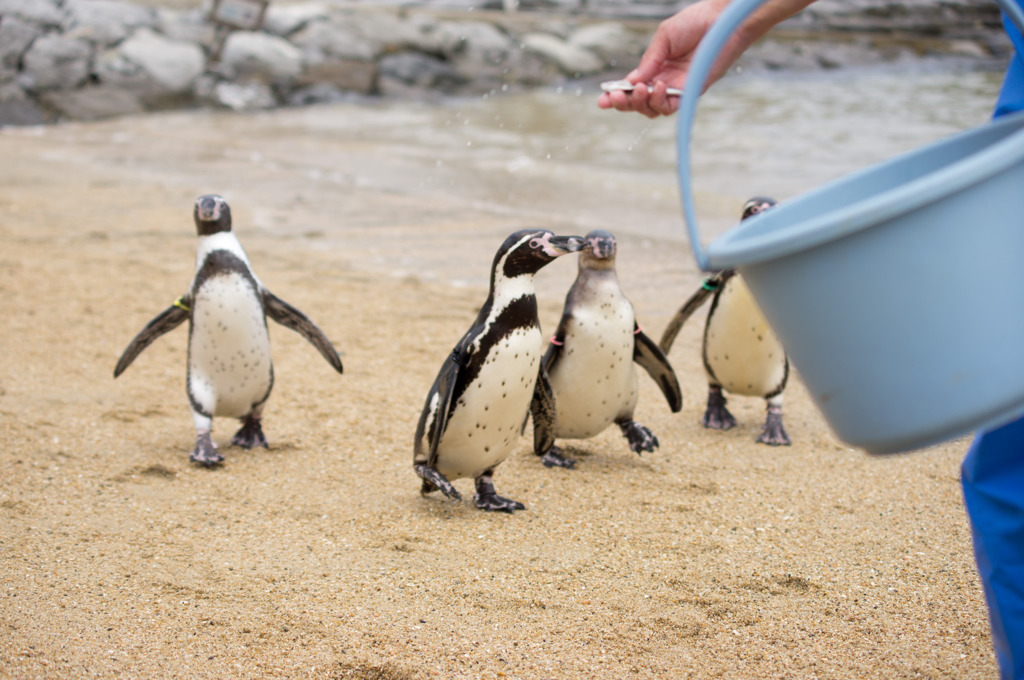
(430, 189)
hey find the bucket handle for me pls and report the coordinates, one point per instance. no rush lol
(728, 21)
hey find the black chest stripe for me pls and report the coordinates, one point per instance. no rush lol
(520, 314)
(219, 262)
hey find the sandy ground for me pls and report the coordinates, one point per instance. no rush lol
(711, 557)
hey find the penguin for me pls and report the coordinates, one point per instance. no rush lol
(592, 358)
(742, 355)
(480, 401)
(230, 372)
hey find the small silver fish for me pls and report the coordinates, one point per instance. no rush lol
(626, 86)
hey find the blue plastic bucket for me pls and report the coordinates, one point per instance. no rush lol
(897, 291)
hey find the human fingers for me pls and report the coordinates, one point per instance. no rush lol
(660, 102)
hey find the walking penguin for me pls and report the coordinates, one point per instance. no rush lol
(591, 361)
(742, 355)
(229, 367)
(478, 405)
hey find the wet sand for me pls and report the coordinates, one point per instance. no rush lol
(711, 557)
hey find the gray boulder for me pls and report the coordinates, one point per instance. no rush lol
(485, 56)
(56, 62)
(480, 52)
(43, 12)
(323, 40)
(261, 57)
(93, 102)
(572, 60)
(283, 20)
(185, 26)
(16, 108)
(611, 41)
(392, 34)
(105, 22)
(15, 37)
(243, 96)
(478, 40)
(348, 75)
(170, 65)
(114, 69)
(414, 71)
(320, 93)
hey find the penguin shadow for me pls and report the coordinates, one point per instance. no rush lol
(146, 474)
(128, 415)
(441, 507)
(605, 458)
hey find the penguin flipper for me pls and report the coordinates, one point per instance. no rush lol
(710, 286)
(164, 322)
(444, 387)
(653, 360)
(290, 317)
(545, 417)
(554, 350)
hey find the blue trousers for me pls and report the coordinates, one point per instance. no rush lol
(992, 476)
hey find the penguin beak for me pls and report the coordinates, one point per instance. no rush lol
(566, 244)
(208, 209)
(602, 248)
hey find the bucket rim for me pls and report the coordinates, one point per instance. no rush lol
(739, 247)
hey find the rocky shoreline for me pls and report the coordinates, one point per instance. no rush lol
(92, 59)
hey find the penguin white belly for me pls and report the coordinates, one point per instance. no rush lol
(594, 379)
(741, 349)
(229, 351)
(489, 415)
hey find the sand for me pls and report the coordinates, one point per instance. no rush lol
(711, 557)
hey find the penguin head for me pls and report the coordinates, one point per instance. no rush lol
(599, 250)
(527, 250)
(755, 205)
(212, 215)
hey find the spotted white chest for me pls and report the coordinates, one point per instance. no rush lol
(488, 417)
(594, 379)
(229, 362)
(740, 347)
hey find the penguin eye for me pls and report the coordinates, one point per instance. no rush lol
(536, 243)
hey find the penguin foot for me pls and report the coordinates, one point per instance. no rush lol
(487, 499)
(717, 416)
(250, 435)
(206, 452)
(434, 481)
(772, 433)
(554, 458)
(639, 437)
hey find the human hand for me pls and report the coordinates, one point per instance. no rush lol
(665, 62)
(667, 59)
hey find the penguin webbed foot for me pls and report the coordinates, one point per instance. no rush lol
(435, 481)
(773, 433)
(554, 458)
(250, 435)
(206, 453)
(717, 416)
(487, 499)
(640, 438)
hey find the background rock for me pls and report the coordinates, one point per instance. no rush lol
(93, 102)
(43, 12)
(171, 64)
(260, 56)
(283, 20)
(573, 60)
(15, 37)
(65, 59)
(56, 62)
(16, 108)
(105, 22)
